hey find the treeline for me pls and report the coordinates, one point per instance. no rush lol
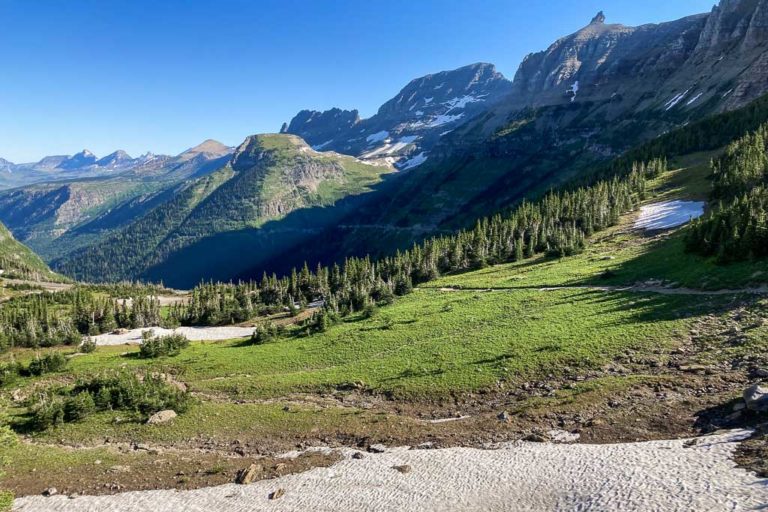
(62, 318)
(557, 225)
(737, 227)
(704, 135)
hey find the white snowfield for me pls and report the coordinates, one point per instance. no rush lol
(655, 476)
(192, 333)
(668, 214)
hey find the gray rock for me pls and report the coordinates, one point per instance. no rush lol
(51, 491)
(161, 417)
(358, 455)
(756, 398)
(405, 468)
(377, 448)
(503, 416)
(248, 475)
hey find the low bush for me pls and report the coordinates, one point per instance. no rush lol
(47, 412)
(266, 333)
(88, 346)
(146, 394)
(9, 372)
(79, 406)
(161, 346)
(49, 363)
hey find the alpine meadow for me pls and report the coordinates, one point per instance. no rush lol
(540, 293)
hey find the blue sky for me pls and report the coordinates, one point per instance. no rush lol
(163, 75)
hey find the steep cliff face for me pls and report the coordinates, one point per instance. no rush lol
(671, 73)
(406, 127)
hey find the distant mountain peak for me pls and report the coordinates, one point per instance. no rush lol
(599, 18)
(207, 147)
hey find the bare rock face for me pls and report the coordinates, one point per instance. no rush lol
(407, 126)
(161, 417)
(249, 474)
(756, 398)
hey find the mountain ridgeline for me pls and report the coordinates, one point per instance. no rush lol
(455, 146)
(219, 224)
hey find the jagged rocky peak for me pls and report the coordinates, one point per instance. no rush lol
(468, 84)
(317, 128)
(78, 160)
(115, 159)
(599, 18)
(407, 126)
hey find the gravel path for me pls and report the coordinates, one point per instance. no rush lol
(657, 475)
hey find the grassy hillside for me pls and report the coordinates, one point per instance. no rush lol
(19, 262)
(566, 343)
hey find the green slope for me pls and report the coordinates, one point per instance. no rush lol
(180, 241)
(19, 262)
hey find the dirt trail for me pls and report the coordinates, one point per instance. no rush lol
(640, 288)
(47, 286)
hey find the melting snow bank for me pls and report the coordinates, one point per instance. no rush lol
(668, 214)
(657, 475)
(192, 333)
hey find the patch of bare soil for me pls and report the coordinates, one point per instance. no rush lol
(152, 469)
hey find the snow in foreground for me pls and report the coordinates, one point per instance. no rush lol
(658, 475)
(668, 214)
(192, 333)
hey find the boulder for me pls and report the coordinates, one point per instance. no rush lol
(377, 448)
(248, 475)
(405, 468)
(276, 495)
(756, 398)
(161, 417)
(51, 491)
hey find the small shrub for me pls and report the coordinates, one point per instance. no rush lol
(88, 346)
(123, 390)
(79, 406)
(162, 346)
(49, 363)
(9, 372)
(47, 413)
(265, 333)
(369, 310)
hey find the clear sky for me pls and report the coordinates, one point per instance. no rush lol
(164, 75)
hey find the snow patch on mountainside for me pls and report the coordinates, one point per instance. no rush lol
(377, 137)
(668, 214)
(414, 162)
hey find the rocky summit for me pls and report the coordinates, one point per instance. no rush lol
(407, 126)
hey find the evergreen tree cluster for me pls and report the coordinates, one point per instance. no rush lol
(557, 225)
(737, 227)
(62, 318)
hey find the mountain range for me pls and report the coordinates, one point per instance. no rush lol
(449, 148)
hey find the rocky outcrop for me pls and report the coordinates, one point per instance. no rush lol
(406, 127)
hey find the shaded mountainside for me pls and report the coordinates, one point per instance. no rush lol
(218, 225)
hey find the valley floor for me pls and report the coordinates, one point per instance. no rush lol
(631, 341)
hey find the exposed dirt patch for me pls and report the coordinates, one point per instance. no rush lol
(150, 469)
